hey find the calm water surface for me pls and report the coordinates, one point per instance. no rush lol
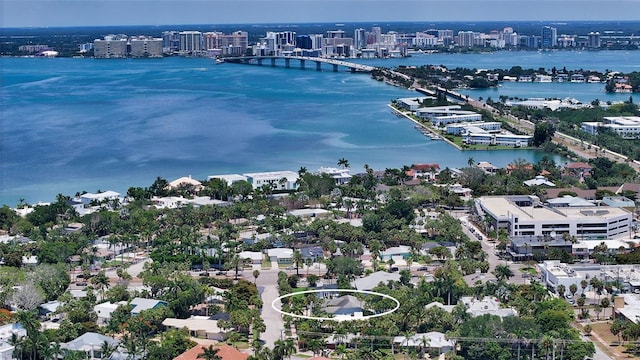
(69, 125)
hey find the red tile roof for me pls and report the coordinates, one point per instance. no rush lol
(578, 165)
(426, 167)
(225, 351)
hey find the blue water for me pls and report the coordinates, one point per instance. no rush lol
(70, 125)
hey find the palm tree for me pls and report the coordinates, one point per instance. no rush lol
(344, 163)
(297, 260)
(106, 350)
(471, 161)
(256, 273)
(30, 323)
(502, 272)
(209, 353)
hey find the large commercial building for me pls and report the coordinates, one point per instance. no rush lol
(527, 216)
(628, 127)
(234, 44)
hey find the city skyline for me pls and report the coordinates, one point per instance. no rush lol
(60, 13)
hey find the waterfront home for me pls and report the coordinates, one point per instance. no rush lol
(98, 198)
(341, 176)
(424, 171)
(577, 169)
(487, 167)
(186, 182)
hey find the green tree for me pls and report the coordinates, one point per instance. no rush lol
(209, 353)
(502, 272)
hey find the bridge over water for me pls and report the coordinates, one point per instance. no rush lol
(302, 60)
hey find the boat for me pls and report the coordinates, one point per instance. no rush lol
(219, 61)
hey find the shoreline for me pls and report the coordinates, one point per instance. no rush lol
(399, 113)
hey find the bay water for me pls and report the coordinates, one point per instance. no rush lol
(71, 125)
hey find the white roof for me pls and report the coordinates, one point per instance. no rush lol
(253, 255)
(289, 175)
(307, 212)
(229, 178)
(194, 323)
(436, 340)
(103, 195)
(539, 180)
(280, 253)
(488, 305)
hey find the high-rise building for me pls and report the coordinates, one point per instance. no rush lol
(234, 44)
(142, 46)
(376, 33)
(331, 34)
(549, 37)
(170, 41)
(466, 38)
(112, 46)
(304, 42)
(191, 42)
(359, 39)
(445, 37)
(594, 40)
(279, 42)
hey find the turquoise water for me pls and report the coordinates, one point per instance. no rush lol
(72, 125)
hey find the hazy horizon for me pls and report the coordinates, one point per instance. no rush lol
(76, 13)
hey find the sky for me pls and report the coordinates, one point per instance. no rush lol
(57, 13)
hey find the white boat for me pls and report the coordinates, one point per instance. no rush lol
(219, 61)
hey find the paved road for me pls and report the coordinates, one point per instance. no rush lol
(268, 281)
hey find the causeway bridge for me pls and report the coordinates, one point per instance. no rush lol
(302, 60)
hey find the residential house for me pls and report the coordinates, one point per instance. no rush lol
(341, 176)
(402, 251)
(225, 352)
(487, 167)
(89, 343)
(282, 256)
(539, 181)
(199, 326)
(255, 257)
(488, 305)
(435, 343)
(371, 281)
(578, 169)
(186, 182)
(425, 171)
(344, 305)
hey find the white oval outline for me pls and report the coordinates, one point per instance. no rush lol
(341, 318)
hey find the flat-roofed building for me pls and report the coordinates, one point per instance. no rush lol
(459, 128)
(526, 216)
(628, 127)
(412, 104)
(554, 273)
(228, 178)
(279, 180)
(110, 47)
(145, 47)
